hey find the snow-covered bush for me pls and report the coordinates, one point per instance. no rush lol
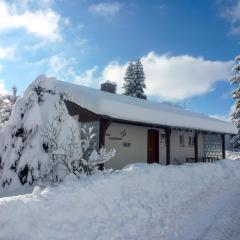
(7, 102)
(90, 157)
(41, 140)
(235, 116)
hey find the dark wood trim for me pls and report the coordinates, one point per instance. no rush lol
(84, 114)
(87, 115)
(196, 146)
(150, 125)
(223, 146)
(140, 124)
(103, 126)
(168, 145)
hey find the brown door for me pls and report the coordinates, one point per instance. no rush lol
(153, 146)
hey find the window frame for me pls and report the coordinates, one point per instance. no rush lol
(163, 138)
(181, 140)
(191, 141)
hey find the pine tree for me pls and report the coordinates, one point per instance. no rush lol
(135, 80)
(139, 85)
(235, 116)
(42, 141)
(7, 102)
(129, 80)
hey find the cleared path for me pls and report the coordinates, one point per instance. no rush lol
(226, 225)
(219, 220)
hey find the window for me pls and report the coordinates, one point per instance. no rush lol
(163, 138)
(181, 140)
(190, 141)
(193, 141)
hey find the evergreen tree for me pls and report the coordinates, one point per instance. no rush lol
(42, 141)
(235, 116)
(139, 85)
(7, 102)
(129, 80)
(135, 80)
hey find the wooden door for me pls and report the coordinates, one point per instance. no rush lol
(153, 146)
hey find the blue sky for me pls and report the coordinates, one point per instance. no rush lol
(186, 46)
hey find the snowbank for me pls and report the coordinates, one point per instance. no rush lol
(233, 155)
(139, 202)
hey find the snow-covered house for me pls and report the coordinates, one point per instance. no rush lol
(145, 131)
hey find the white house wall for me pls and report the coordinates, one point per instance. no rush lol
(119, 136)
(135, 136)
(179, 153)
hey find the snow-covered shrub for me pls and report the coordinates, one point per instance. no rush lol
(235, 115)
(7, 102)
(41, 140)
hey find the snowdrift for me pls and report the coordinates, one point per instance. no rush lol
(139, 202)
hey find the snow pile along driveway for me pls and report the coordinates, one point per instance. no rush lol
(139, 202)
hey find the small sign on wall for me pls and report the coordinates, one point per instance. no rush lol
(122, 134)
(126, 144)
(115, 138)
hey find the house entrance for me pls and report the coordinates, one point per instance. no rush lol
(153, 146)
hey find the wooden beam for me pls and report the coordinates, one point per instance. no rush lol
(150, 125)
(223, 146)
(84, 114)
(103, 126)
(196, 146)
(168, 145)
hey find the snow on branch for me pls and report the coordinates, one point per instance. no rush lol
(235, 115)
(42, 141)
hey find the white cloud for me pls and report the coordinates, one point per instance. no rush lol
(35, 46)
(59, 66)
(170, 78)
(43, 23)
(232, 14)
(105, 9)
(174, 78)
(114, 72)
(86, 78)
(7, 52)
(23, 5)
(64, 69)
(84, 46)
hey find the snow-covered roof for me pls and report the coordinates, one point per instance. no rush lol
(138, 110)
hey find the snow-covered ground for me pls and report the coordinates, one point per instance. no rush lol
(192, 201)
(232, 155)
